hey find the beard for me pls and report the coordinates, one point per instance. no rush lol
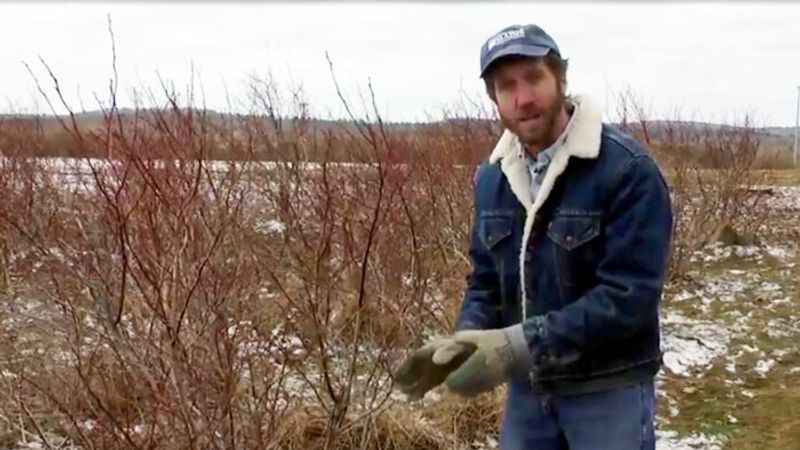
(541, 134)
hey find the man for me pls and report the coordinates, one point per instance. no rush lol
(569, 250)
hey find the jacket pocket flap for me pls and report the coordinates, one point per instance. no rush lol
(571, 232)
(494, 229)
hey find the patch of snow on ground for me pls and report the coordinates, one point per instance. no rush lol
(763, 366)
(690, 345)
(669, 440)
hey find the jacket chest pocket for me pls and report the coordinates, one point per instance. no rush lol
(495, 231)
(500, 235)
(576, 250)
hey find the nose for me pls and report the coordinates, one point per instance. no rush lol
(526, 96)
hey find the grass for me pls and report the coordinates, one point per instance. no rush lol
(747, 409)
(772, 177)
(785, 177)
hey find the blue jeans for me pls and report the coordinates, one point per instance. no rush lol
(620, 419)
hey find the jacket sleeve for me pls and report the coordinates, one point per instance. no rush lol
(631, 274)
(481, 305)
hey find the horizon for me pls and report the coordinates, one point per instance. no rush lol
(125, 110)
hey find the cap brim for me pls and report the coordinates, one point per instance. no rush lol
(516, 49)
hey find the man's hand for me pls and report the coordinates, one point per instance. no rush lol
(419, 373)
(498, 354)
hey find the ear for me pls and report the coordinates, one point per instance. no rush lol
(489, 84)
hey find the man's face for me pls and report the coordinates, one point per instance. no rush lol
(529, 100)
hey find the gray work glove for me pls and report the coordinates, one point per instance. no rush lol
(420, 373)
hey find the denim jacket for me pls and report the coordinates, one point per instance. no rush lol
(583, 263)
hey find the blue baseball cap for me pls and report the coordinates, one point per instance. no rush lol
(525, 40)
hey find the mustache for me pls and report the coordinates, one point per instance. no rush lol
(534, 111)
(531, 114)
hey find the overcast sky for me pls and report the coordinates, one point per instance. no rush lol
(717, 61)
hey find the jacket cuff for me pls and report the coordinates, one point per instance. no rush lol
(541, 349)
(523, 360)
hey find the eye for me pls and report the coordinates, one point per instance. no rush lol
(504, 84)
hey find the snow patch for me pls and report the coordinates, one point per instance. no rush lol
(763, 366)
(669, 440)
(691, 345)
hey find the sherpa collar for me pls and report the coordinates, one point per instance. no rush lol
(581, 140)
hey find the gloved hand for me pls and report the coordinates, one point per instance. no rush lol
(498, 354)
(419, 373)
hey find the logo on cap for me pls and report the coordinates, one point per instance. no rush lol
(505, 36)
